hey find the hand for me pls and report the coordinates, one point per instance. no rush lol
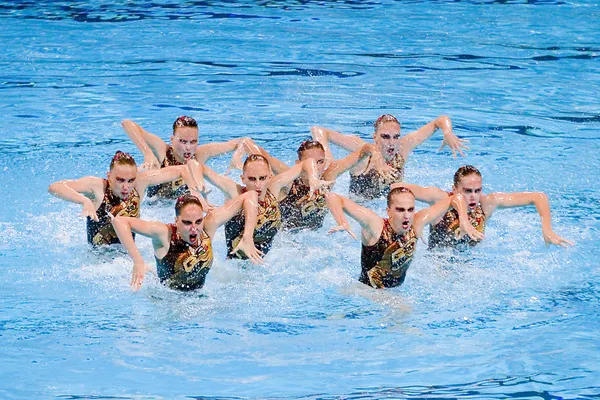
(89, 210)
(469, 230)
(318, 184)
(388, 173)
(343, 227)
(237, 159)
(553, 238)
(137, 277)
(150, 162)
(248, 248)
(454, 143)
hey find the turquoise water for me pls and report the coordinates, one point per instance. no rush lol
(512, 319)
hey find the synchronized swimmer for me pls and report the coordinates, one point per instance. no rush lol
(274, 196)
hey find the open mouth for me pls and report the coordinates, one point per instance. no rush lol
(193, 238)
(406, 224)
(472, 205)
(187, 156)
(390, 152)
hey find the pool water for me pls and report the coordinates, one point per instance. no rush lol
(510, 319)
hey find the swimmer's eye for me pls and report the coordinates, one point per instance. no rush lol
(396, 136)
(262, 178)
(385, 137)
(411, 209)
(131, 180)
(320, 161)
(187, 223)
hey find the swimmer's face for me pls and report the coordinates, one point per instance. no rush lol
(257, 176)
(387, 138)
(316, 154)
(121, 180)
(470, 187)
(185, 142)
(402, 212)
(189, 223)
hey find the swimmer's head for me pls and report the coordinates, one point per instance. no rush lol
(387, 135)
(122, 175)
(312, 149)
(256, 174)
(188, 218)
(184, 138)
(468, 182)
(401, 209)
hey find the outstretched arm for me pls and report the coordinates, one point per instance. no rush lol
(324, 136)
(429, 194)
(414, 139)
(338, 167)
(157, 231)
(249, 202)
(207, 151)
(431, 214)
(81, 191)
(226, 185)
(371, 223)
(540, 200)
(151, 146)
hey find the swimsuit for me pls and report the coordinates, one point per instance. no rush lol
(169, 190)
(299, 212)
(445, 232)
(185, 267)
(385, 263)
(102, 232)
(267, 225)
(371, 185)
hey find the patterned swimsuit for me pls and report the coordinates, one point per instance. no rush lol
(385, 263)
(267, 226)
(185, 267)
(169, 190)
(299, 212)
(445, 232)
(102, 232)
(370, 184)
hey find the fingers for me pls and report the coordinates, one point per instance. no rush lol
(351, 233)
(136, 282)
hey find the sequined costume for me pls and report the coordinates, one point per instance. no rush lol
(169, 190)
(370, 184)
(299, 212)
(267, 226)
(445, 232)
(385, 263)
(184, 267)
(102, 232)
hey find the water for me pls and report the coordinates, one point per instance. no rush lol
(512, 319)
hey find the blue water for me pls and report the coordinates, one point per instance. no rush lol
(512, 319)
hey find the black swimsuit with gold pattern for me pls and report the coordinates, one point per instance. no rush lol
(267, 226)
(370, 184)
(185, 267)
(169, 190)
(299, 212)
(445, 232)
(385, 263)
(102, 232)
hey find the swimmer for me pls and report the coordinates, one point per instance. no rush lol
(183, 250)
(479, 208)
(369, 183)
(120, 193)
(301, 209)
(184, 146)
(257, 175)
(388, 244)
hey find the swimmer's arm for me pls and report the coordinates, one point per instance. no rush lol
(414, 139)
(278, 182)
(518, 199)
(149, 144)
(277, 165)
(207, 151)
(158, 176)
(85, 191)
(324, 136)
(338, 167)
(431, 214)
(223, 183)
(157, 231)
(428, 194)
(371, 223)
